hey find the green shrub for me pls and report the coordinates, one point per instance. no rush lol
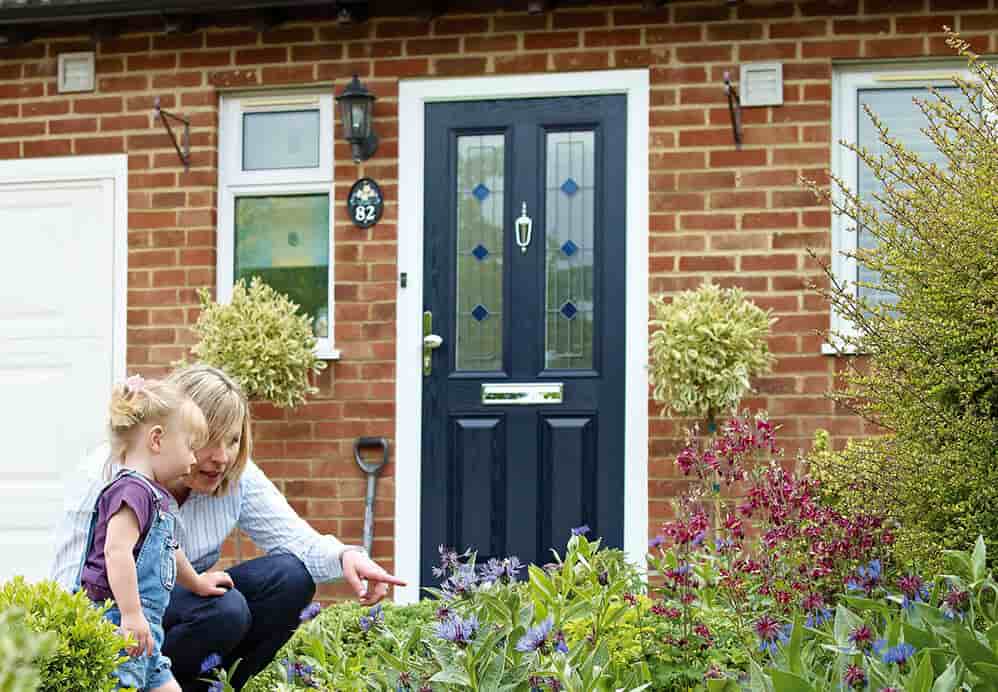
(340, 649)
(704, 347)
(87, 648)
(930, 380)
(21, 650)
(260, 339)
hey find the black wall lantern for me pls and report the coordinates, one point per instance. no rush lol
(356, 109)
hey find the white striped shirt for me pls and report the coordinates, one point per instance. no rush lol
(255, 506)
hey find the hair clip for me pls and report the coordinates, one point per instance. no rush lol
(135, 384)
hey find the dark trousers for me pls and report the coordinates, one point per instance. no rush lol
(250, 623)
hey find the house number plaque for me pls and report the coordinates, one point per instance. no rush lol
(366, 203)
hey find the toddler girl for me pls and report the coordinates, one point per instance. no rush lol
(132, 555)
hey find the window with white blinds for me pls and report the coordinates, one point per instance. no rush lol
(891, 92)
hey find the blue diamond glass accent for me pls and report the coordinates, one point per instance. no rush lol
(568, 310)
(569, 248)
(479, 312)
(569, 187)
(481, 192)
(480, 252)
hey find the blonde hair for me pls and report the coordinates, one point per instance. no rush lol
(224, 405)
(138, 402)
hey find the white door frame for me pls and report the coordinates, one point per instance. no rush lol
(413, 97)
(67, 169)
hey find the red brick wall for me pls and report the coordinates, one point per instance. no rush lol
(737, 217)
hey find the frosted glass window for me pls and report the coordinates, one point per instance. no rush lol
(285, 241)
(480, 244)
(570, 251)
(281, 139)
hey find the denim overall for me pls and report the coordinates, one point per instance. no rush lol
(156, 569)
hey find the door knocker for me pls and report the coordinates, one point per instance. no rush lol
(524, 228)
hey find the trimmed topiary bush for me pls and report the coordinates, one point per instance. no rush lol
(87, 647)
(705, 346)
(261, 339)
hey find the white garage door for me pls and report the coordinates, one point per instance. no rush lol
(61, 336)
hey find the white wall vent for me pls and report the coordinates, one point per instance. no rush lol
(761, 84)
(76, 72)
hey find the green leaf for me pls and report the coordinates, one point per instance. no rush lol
(949, 680)
(794, 647)
(972, 652)
(721, 685)
(845, 622)
(921, 639)
(921, 679)
(788, 682)
(979, 560)
(452, 676)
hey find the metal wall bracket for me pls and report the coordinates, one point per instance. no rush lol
(183, 149)
(734, 109)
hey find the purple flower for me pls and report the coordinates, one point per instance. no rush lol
(862, 637)
(912, 589)
(462, 582)
(866, 578)
(854, 677)
(899, 654)
(771, 633)
(559, 643)
(216, 686)
(954, 603)
(581, 530)
(501, 570)
(458, 631)
(210, 663)
(656, 541)
(309, 612)
(374, 616)
(536, 638)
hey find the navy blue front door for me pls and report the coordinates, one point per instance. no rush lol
(523, 399)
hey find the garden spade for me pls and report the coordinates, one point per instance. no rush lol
(371, 468)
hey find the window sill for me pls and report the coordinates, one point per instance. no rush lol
(828, 349)
(328, 353)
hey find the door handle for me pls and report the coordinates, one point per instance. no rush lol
(524, 229)
(431, 342)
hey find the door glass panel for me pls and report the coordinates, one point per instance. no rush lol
(480, 204)
(281, 139)
(285, 241)
(570, 248)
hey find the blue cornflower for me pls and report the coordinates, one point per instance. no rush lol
(309, 612)
(536, 637)
(210, 663)
(866, 578)
(501, 570)
(819, 618)
(899, 654)
(461, 583)
(458, 631)
(449, 560)
(559, 643)
(771, 634)
(912, 589)
(581, 530)
(216, 686)
(374, 616)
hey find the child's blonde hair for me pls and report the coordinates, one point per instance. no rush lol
(137, 401)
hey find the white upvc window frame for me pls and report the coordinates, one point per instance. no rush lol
(234, 182)
(847, 81)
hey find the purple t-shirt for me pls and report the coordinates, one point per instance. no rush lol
(126, 490)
